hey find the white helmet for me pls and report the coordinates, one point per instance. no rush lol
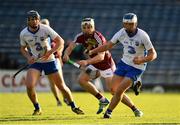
(88, 21)
(130, 18)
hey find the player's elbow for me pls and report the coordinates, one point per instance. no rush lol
(61, 41)
(154, 54)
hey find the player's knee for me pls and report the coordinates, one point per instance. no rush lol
(62, 87)
(29, 85)
(82, 80)
(112, 90)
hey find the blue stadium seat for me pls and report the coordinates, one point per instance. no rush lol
(160, 19)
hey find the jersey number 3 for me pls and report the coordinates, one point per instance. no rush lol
(38, 46)
(131, 50)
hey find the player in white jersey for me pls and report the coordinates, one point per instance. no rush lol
(137, 51)
(35, 37)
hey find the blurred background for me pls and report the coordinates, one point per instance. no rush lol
(159, 18)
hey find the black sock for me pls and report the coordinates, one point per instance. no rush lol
(98, 96)
(109, 111)
(133, 108)
(72, 104)
(36, 106)
(57, 99)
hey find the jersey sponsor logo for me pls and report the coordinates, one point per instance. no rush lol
(108, 73)
(131, 40)
(30, 40)
(125, 42)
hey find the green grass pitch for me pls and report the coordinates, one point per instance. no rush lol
(15, 108)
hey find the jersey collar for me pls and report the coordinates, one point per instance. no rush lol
(132, 34)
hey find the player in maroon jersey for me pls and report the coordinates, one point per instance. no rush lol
(101, 64)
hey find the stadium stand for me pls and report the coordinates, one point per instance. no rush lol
(159, 18)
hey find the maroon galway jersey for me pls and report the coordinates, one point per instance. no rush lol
(93, 41)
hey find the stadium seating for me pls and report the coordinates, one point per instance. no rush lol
(159, 18)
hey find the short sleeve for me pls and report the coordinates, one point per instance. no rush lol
(22, 41)
(53, 34)
(147, 42)
(118, 37)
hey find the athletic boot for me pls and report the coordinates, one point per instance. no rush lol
(59, 103)
(107, 115)
(136, 87)
(77, 111)
(102, 105)
(37, 112)
(138, 113)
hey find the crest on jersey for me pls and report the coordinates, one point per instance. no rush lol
(42, 52)
(136, 43)
(91, 42)
(42, 38)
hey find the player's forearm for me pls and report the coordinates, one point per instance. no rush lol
(24, 52)
(59, 45)
(69, 49)
(101, 48)
(152, 55)
(96, 59)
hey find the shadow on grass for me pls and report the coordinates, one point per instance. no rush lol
(40, 118)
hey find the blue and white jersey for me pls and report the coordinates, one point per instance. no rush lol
(38, 42)
(137, 45)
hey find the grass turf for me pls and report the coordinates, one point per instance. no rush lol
(16, 108)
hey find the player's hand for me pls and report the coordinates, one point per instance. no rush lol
(46, 55)
(138, 60)
(31, 60)
(90, 52)
(65, 58)
(83, 63)
(86, 51)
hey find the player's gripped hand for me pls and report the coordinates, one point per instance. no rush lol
(86, 51)
(46, 55)
(90, 52)
(65, 58)
(82, 63)
(138, 60)
(31, 60)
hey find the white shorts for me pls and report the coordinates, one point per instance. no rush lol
(103, 73)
